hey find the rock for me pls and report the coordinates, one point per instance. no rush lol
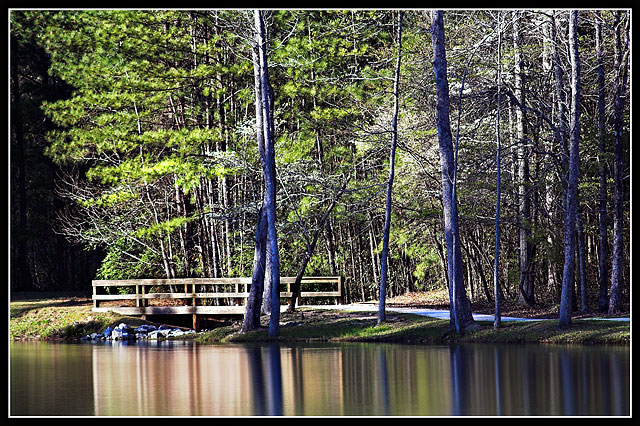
(159, 334)
(116, 333)
(146, 331)
(142, 329)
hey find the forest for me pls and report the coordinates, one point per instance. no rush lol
(486, 152)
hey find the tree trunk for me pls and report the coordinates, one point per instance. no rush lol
(496, 282)
(252, 313)
(254, 302)
(526, 295)
(603, 248)
(392, 157)
(615, 298)
(572, 184)
(460, 307)
(559, 134)
(269, 172)
(266, 293)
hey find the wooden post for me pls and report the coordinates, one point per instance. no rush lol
(144, 301)
(95, 293)
(193, 303)
(341, 290)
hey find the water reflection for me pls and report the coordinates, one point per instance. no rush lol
(187, 379)
(266, 380)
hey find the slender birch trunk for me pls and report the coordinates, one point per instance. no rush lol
(496, 283)
(572, 184)
(392, 156)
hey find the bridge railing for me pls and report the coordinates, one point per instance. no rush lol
(207, 296)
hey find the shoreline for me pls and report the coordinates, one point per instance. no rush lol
(71, 318)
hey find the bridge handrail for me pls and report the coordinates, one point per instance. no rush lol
(142, 297)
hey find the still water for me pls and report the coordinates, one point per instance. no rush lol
(190, 379)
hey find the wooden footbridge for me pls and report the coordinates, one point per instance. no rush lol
(198, 297)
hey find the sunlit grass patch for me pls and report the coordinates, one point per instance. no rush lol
(547, 331)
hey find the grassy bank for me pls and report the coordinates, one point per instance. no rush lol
(339, 326)
(59, 317)
(71, 318)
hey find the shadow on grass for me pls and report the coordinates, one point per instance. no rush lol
(400, 328)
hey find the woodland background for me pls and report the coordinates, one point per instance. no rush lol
(133, 151)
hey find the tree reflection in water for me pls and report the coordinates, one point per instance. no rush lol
(319, 380)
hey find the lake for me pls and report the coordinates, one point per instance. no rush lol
(171, 378)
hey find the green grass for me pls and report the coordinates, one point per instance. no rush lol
(59, 318)
(336, 328)
(579, 332)
(407, 328)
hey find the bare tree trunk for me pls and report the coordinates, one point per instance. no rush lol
(392, 158)
(254, 302)
(617, 276)
(603, 249)
(496, 283)
(526, 295)
(252, 313)
(266, 294)
(572, 185)
(560, 132)
(269, 172)
(460, 307)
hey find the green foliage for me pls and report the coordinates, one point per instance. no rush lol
(423, 254)
(124, 261)
(155, 143)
